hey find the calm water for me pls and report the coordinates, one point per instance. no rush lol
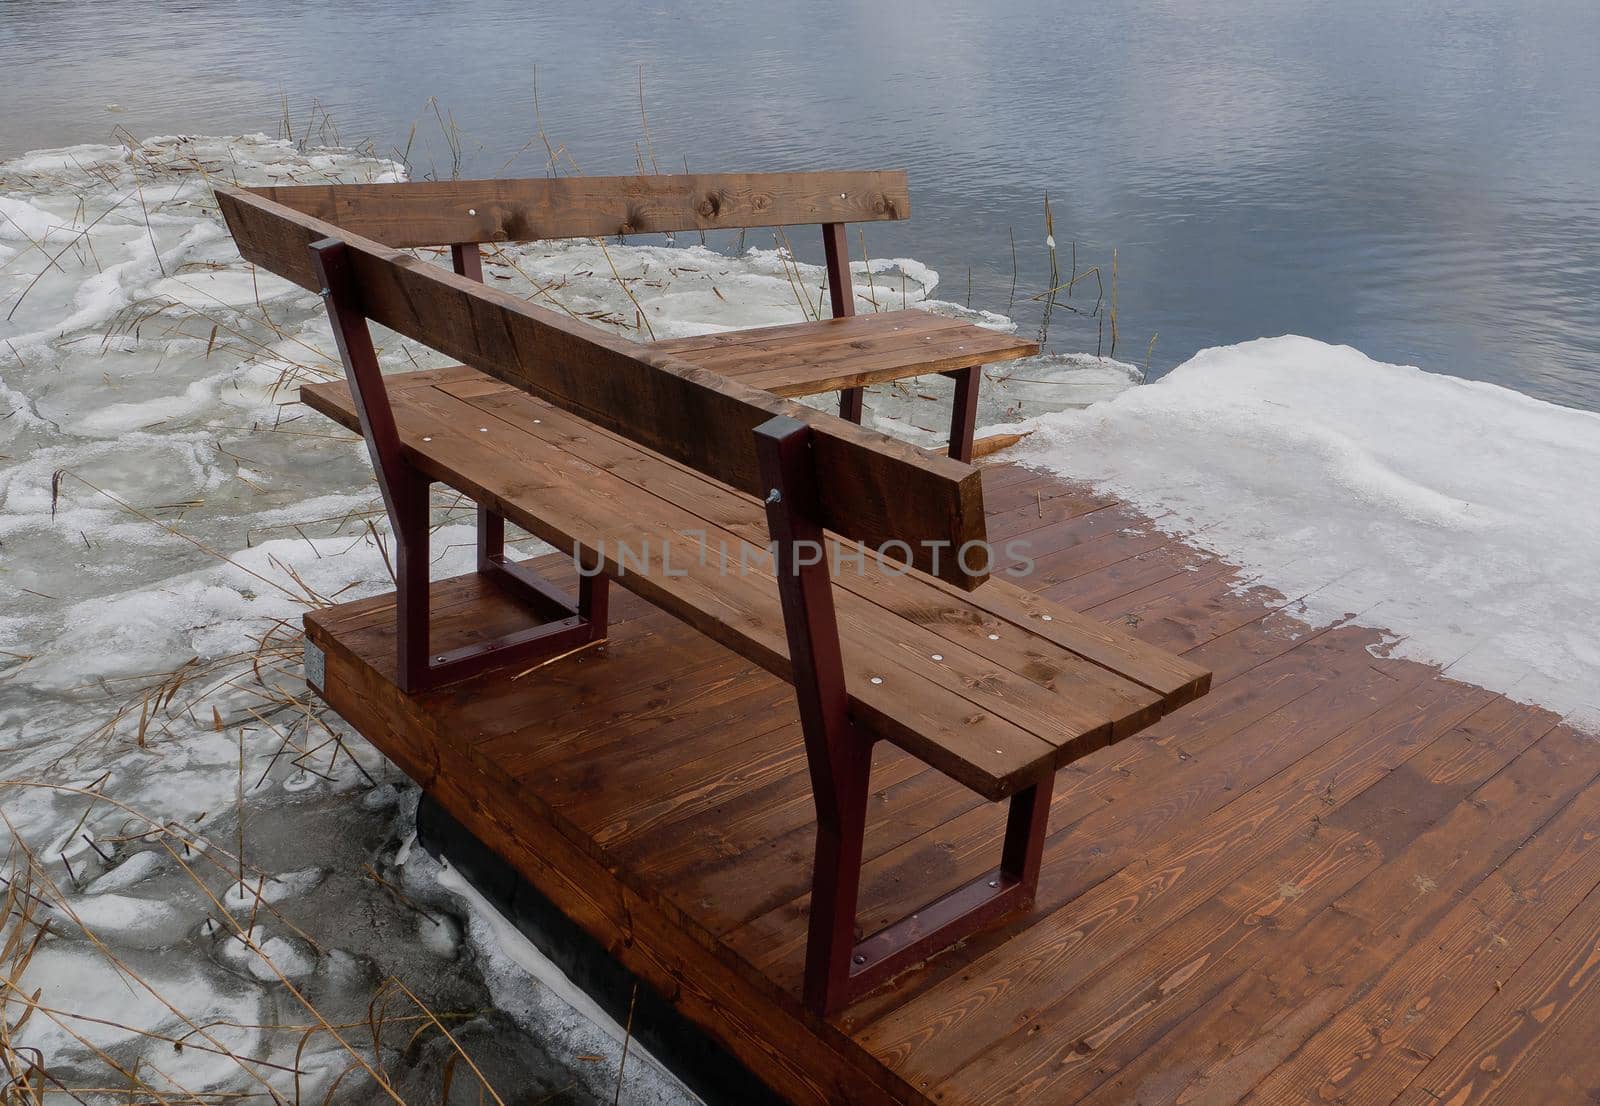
(1417, 179)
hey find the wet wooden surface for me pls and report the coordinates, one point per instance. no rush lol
(1338, 877)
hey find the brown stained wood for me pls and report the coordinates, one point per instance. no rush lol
(1017, 479)
(1233, 887)
(1278, 634)
(432, 213)
(1123, 585)
(722, 707)
(1104, 544)
(762, 871)
(1039, 507)
(738, 835)
(991, 444)
(703, 782)
(614, 699)
(1537, 854)
(850, 328)
(1124, 997)
(1110, 525)
(572, 504)
(1184, 618)
(1534, 1040)
(881, 362)
(1060, 679)
(1127, 1006)
(1088, 837)
(810, 358)
(1157, 796)
(700, 418)
(1001, 620)
(1119, 775)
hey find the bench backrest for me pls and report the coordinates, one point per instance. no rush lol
(874, 489)
(434, 213)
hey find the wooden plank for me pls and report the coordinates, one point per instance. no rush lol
(944, 1028)
(1091, 836)
(947, 717)
(812, 342)
(1127, 1001)
(1000, 669)
(1036, 509)
(1002, 620)
(1426, 964)
(763, 864)
(882, 361)
(717, 855)
(769, 753)
(433, 213)
(1077, 661)
(897, 491)
(1534, 1040)
(1372, 857)
(848, 328)
(810, 358)
(1000, 623)
(1211, 907)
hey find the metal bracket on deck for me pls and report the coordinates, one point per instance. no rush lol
(316, 663)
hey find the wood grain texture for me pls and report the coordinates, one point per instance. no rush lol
(432, 213)
(1336, 877)
(810, 358)
(984, 697)
(1534, 1040)
(897, 491)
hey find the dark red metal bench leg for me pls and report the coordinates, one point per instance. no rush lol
(839, 756)
(842, 299)
(951, 917)
(408, 519)
(964, 411)
(534, 590)
(405, 496)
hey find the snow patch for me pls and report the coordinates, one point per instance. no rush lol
(1459, 515)
(561, 1011)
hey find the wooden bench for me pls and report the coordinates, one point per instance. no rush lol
(876, 602)
(844, 354)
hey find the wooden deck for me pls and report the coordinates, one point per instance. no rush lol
(1338, 877)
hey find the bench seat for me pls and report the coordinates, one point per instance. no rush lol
(854, 351)
(992, 687)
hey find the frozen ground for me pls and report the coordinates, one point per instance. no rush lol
(166, 515)
(1460, 516)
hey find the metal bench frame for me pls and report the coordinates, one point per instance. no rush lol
(566, 624)
(842, 301)
(839, 967)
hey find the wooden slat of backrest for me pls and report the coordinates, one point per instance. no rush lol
(431, 213)
(874, 489)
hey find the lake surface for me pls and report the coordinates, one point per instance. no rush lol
(1414, 179)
